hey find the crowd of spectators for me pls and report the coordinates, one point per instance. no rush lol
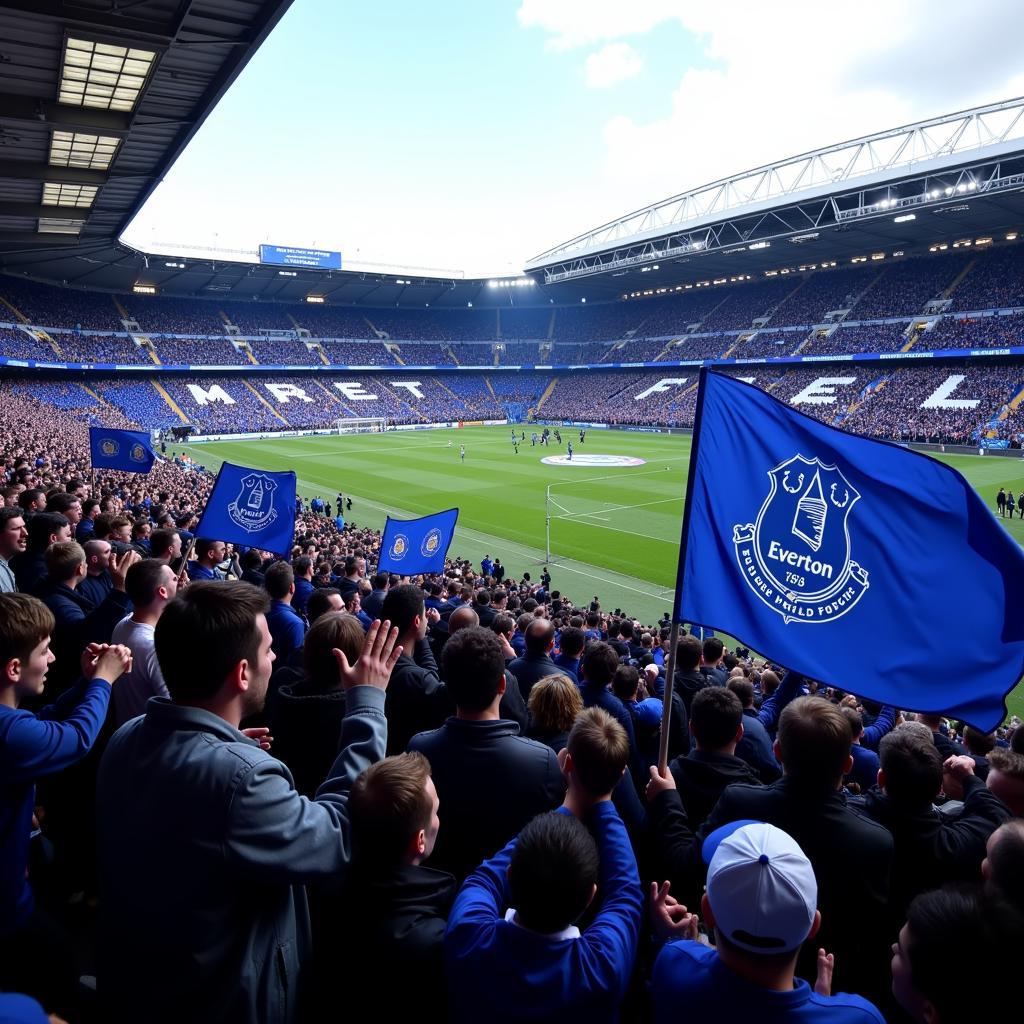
(227, 778)
(198, 352)
(361, 353)
(748, 302)
(822, 292)
(860, 338)
(984, 332)
(995, 281)
(906, 286)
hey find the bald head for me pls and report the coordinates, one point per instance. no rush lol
(462, 618)
(540, 636)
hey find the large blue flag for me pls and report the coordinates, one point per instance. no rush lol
(251, 507)
(856, 562)
(127, 450)
(417, 545)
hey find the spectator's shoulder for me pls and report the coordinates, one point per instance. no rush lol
(850, 1009)
(426, 741)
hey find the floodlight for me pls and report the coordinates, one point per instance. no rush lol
(80, 149)
(143, 289)
(105, 76)
(68, 195)
(903, 218)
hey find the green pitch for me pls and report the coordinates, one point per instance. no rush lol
(613, 531)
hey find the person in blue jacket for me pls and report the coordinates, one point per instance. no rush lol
(514, 950)
(33, 746)
(761, 903)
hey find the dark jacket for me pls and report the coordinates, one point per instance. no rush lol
(687, 684)
(78, 622)
(96, 588)
(387, 928)
(931, 850)
(374, 603)
(29, 568)
(851, 856)
(490, 781)
(755, 748)
(416, 698)
(306, 727)
(702, 776)
(530, 669)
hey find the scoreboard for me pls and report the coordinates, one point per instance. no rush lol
(289, 256)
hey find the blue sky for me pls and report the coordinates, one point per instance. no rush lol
(471, 136)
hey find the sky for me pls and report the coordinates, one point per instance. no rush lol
(471, 135)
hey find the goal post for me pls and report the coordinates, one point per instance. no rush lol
(361, 424)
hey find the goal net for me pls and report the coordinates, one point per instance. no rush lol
(362, 425)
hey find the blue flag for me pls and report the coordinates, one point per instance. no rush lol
(251, 507)
(417, 545)
(856, 562)
(127, 450)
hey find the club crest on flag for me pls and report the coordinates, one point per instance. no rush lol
(431, 542)
(109, 447)
(399, 547)
(796, 557)
(137, 453)
(253, 509)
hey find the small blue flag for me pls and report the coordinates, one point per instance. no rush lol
(127, 450)
(855, 562)
(251, 507)
(417, 545)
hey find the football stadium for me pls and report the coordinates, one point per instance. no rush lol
(740, 490)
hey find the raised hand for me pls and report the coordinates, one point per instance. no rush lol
(658, 783)
(823, 981)
(373, 666)
(119, 566)
(261, 734)
(106, 661)
(669, 918)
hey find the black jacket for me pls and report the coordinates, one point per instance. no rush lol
(530, 669)
(307, 732)
(851, 856)
(931, 850)
(416, 698)
(702, 776)
(387, 930)
(491, 781)
(687, 684)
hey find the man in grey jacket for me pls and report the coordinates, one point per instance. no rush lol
(204, 843)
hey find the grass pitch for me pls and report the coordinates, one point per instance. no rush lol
(614, 531)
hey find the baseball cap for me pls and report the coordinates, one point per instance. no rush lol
(761, 887)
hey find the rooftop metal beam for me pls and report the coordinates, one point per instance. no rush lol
(29, 170)
(101, 21)
(10, 209)
(19, 109)
(33, 238)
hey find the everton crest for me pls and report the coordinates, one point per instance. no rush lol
(253, 510)
(399, 547)
(431, 542)
(109, 447)
(797, 556)
(137, 453)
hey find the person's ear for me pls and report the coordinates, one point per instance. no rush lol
(12, 671)
(880, 778)
(815, 925)
(777, 751)
(849, 765)
(739, 732)
(706, 913)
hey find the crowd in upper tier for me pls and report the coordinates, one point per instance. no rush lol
(245, 789)
(706, 321)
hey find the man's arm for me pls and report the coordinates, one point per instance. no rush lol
(961, 842)
(789, 689)
(885, 722)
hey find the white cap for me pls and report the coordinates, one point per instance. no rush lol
(761, 887)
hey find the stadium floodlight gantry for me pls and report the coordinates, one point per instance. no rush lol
(929, 165)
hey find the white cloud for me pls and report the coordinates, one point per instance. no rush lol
(612, 64)
(573, 23)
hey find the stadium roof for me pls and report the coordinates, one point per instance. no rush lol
(96, 104)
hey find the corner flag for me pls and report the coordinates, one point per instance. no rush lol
(251, 507)
(856, 562)
(417, 545)
(129, 451)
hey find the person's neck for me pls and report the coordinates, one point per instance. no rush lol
(729, 750)
(8, 697)
(148, 616)
(73, 582)
(490, 714)
(765, 975)
(231, 713)
(287, 599)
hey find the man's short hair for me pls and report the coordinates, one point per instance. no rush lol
(161, 541)
(29, 496)
(712, 649)
(503, 623)
(319, 603)
(977, 742)
(205, 632)
(401, 605)
(688, 653)
(278, 580)
(143, 580)
(600, 750)
(388, 806)
(61, 502)
(572, 642)
(744, 690)
(25, 622)
(42, 526)
(912, 766)
(539, 635)
(473, 667)
(814, 741)
(854, 721)
(1006, 861)
(335, 629)
(498, 595)
(63, 559)
(380, 580)
(553, 871)
(483, 597)
(599, 663)
(302, 565)
(625, 682)
(626, 629)
(715, 715)
(204, 545)
(7, 513)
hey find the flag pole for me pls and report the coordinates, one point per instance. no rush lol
(670, 668)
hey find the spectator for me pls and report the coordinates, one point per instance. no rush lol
(29, 566)
(536, 662)
(516, 916)
(13, 540)
(476, 747)
(206, 825)
(286, 625)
